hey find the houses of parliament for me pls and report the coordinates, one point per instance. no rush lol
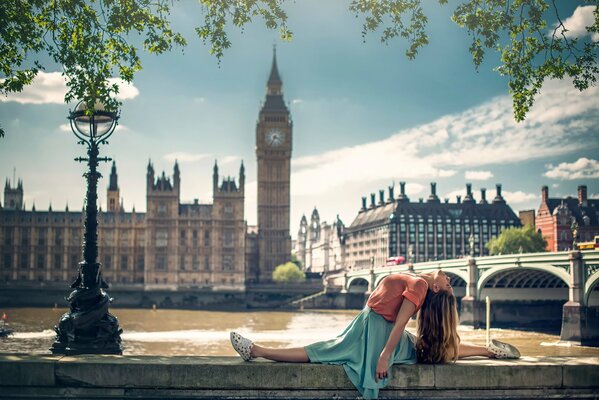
(172, 245)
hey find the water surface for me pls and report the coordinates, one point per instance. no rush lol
(185, 332)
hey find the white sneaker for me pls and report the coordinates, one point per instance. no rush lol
(503, 350)
(242, 345)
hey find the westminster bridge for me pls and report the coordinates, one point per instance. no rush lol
(522, 287)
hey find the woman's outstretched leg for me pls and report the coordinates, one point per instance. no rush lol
(296, 354)
(472, 350)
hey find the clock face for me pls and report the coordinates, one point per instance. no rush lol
(275, 137)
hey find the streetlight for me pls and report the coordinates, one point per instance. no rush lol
(88, 327)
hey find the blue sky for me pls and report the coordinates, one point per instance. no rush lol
(364, 117)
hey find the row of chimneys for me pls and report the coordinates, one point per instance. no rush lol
(582, 195)
(433, 198)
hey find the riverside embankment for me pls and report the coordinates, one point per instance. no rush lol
(24, 376)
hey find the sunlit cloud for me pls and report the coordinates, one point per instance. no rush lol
(228, 159)
(51, 87)
(577, 23)
(185, 157)
(481, 136)
(583, 168)
(478, 175)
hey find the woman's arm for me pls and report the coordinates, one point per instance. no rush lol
(406, 311)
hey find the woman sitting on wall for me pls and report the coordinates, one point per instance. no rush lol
(377, 338)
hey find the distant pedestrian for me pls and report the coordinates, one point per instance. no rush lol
(377, 338)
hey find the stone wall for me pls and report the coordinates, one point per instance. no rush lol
(112, 377)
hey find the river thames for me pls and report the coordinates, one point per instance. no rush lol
(183, 332)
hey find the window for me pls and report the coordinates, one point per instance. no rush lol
(124, 263)
(162, 210)
(24, 261)
(228, 238)
(206, 238)
(161, 263)
(227, 263)
(41, 237)
(182, 238)
(57, 261)
(139, 263)
(182, 263)
(195, 263)
(228, 210)
(58, 237)
(161, 238)
(207, 263)
(7, 261)
(25, 237)
(194, 237)
(108, 262)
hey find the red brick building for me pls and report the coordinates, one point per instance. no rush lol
(555, 217)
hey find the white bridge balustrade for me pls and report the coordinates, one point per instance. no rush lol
(552, 282)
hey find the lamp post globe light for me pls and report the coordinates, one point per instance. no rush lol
(88, 327)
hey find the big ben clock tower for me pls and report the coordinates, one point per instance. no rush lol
(273, 152)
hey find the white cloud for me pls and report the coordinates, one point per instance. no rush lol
(50, 88)
(594, 196)
(228, 159)
(518, 197)
(481, 136)
(555, 185)
(182, 156)
(577, 23)
(297, 101)
(583, 168)
(478, 175)
(199, 99)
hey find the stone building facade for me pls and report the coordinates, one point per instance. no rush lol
(555, 216)
(432, 229)
(319, 245)
(392, 226)
(172, 245)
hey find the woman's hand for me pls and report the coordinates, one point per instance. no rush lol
(382, 367)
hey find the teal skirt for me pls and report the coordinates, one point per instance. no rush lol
(358, 349)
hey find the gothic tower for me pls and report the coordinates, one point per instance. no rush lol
(273, 153)
(113, 193)
(13, 197)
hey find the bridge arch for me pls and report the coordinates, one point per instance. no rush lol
(589, 286)
(529, 276)
(357, 284)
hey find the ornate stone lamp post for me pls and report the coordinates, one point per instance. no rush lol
(88, 327)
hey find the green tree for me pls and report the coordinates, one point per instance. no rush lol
(530, 50)
(288, 273)
(95, 40)
(295, 260)
(517, 240)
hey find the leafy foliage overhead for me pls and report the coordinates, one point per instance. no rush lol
(517, 240)
(530, 50)
(95, 40)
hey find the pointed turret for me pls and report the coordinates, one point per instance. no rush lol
(242, 176)
(215, 178)
(274, 89)
(150, 176)
(274, 84)
(113, 185)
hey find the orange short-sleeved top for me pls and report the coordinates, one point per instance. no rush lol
(386, 299)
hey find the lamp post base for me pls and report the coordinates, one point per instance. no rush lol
(88, 327)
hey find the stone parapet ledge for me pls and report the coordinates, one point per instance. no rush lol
(111, 377)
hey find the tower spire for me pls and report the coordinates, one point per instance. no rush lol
(275, 84)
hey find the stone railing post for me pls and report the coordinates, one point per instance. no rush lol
(472, 310)
(580, 323)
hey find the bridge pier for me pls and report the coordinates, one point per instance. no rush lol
(472, 312)
(580, 323)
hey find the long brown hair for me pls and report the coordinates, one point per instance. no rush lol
(438, 338)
